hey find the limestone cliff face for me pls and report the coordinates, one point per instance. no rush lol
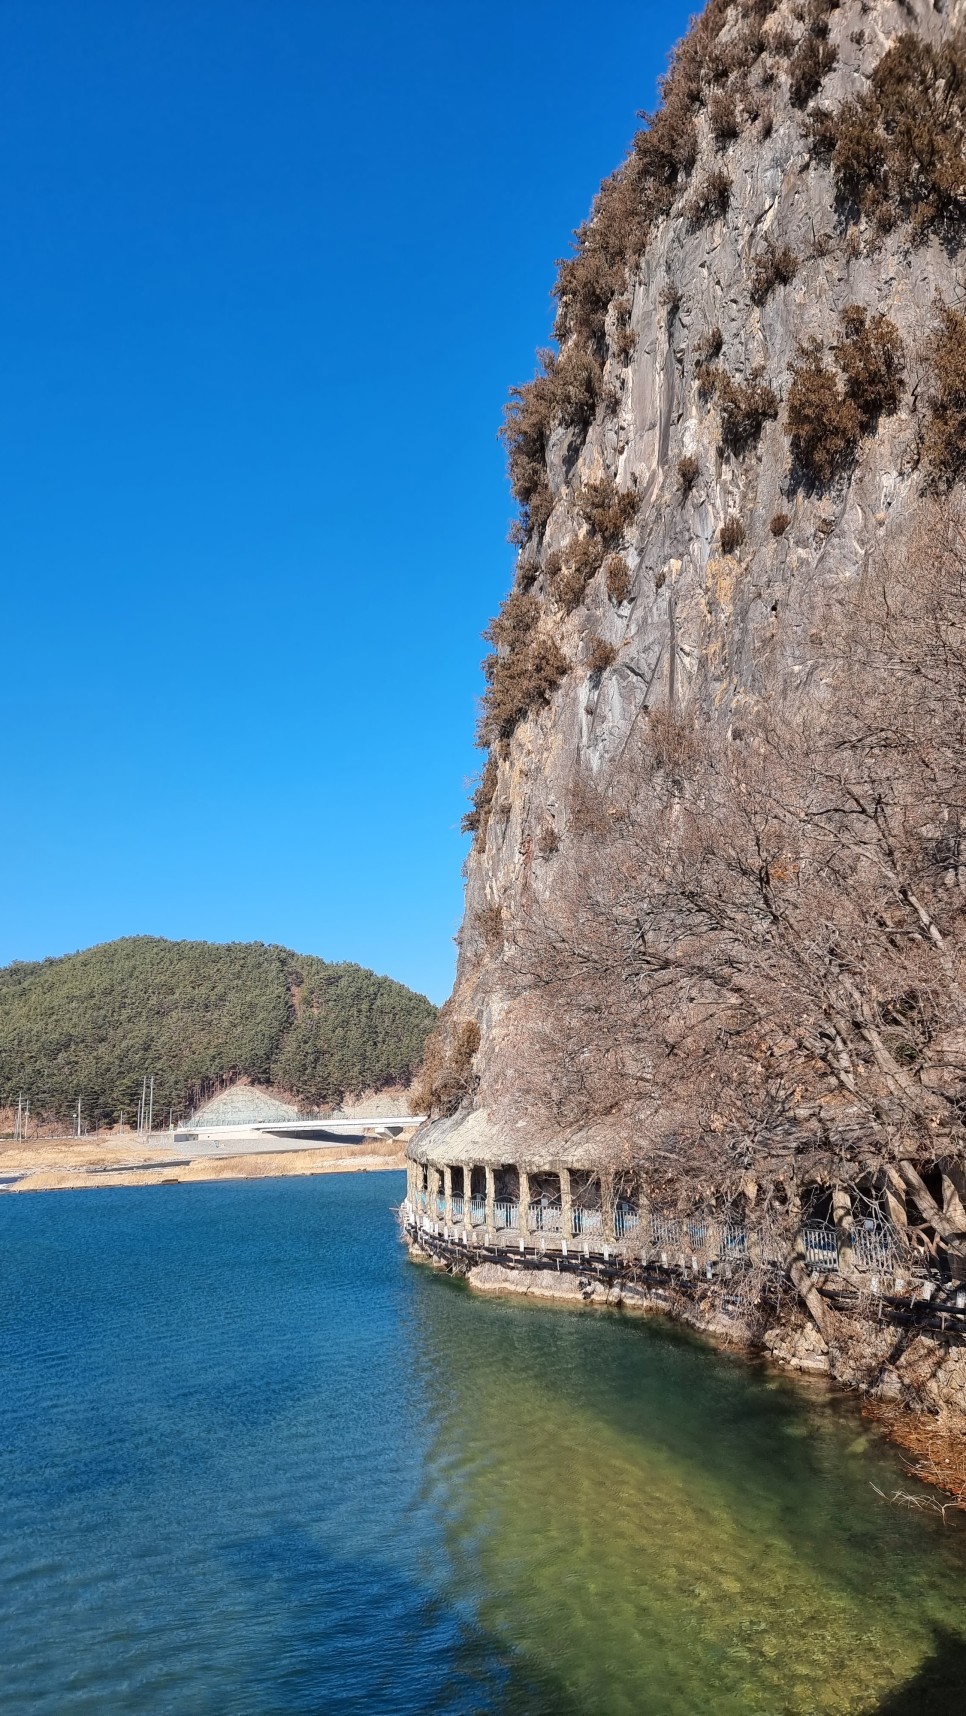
(762, 246)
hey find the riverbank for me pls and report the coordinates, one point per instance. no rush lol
(66, 1164)
(932, 1439)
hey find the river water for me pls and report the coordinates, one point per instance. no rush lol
(254, 1461)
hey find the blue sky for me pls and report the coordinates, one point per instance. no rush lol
(269, 269)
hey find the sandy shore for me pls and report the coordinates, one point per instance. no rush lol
(62, 1164)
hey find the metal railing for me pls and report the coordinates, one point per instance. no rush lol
(506, 1213)
(545, 1217)
(820, 1246)
(698, 1233)
(587, 1221)
(440, 1207)
(734, 1241)
(665, 1231)
(873, 1247)
(626, 1218)
(477, 1209)
(424, 1200)
(457, 1202)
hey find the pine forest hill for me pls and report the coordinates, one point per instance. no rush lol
(198, 1015)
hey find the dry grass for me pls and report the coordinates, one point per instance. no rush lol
(688, 469)
(829, 412)
(775, 265)
(744, 407)
(447, 1076)
(732, 535)
(899, 151)
(710, 199)
(477, 818)
(823, 424)
(602, 656)
(809, 66)
(518, 683)
(573, 571)
(619, 581)
(607, 509)
(944, 431)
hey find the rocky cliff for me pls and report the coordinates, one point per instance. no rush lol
(750, 401)
(714, 930)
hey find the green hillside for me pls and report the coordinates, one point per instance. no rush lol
(196, 1014)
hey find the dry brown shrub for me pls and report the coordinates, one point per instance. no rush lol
(548, 840)
(564, 391)
(731, 535)
(899, 150)
(745, 407)
(775, 265)
(517, 684)
(618, 575)
(669, 298)
(723, 118)
(779, 523)
(824, 426)
(827, 417)
(688, 469)
(809, 66)
(582, 561)
(706, 350)
(944, 429)
(488, 920)
(515, 621)
(446, 1077)
(607, 509)
(872, 360)
(602, 656)
(711, 198)
(781, 42)
(477, 818)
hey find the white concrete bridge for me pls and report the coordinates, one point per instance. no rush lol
(296, 1134)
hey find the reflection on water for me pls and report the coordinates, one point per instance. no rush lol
(251, 1460)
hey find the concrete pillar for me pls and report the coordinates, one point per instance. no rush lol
(643, 1235)
(894, 1198)
(524, 1203)
(844, 1228)
(607, 1206)
(566, 1207)
(953, 1203)
(490, 1201)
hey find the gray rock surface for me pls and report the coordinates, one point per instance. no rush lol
(702, 626)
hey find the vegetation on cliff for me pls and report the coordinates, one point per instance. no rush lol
(197, 1015)
(715, 937)
(751, 938)
(894, 154)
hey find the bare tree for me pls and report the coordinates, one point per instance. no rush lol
(751, 957)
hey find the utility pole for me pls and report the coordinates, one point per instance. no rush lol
(143, 1104)
(26, 1117)
(78, 1117)
(18, 1128)
(150, 1107)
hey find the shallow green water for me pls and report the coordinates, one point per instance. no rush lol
(252, 1460)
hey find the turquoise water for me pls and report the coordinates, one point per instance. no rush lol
(252, 1460)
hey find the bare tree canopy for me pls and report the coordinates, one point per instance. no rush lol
(751, 957)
